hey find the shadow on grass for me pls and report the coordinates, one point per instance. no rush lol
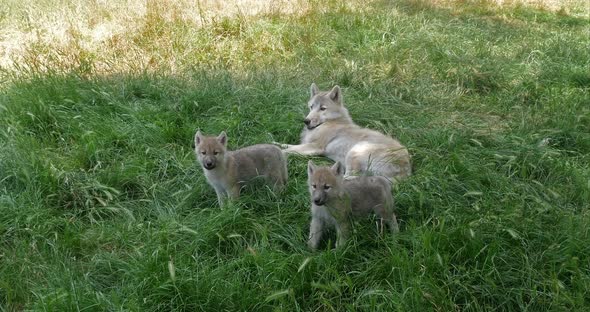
(474, 13)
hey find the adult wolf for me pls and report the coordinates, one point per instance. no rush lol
(329, 131)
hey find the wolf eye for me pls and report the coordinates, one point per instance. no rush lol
(215, 153)
(322, 108)
(327, 187)
(203, 152)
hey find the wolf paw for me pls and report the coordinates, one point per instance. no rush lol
(350, 177)
(281, 145)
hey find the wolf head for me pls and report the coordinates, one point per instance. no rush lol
(325, 183)
(325, 106)
(210, 150)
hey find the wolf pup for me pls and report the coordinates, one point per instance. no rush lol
(329, 131)
(227, 171)
(335, 201)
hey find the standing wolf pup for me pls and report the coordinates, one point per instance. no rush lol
(335, 201)
(227, 171)
(329, 131)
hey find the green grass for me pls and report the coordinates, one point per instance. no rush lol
(103, 207)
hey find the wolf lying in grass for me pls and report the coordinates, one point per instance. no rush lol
(329, 131)
(227, 171)
(335, 201)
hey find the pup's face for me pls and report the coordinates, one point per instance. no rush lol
(323, 106)
(324, 182)
(210, 150)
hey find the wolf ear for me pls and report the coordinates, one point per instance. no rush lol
(310, 167)
(336, 94)
(198, 138)
(222, 138)
(313, 89)
(337, 168)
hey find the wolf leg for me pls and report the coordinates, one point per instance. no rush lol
(279, 178)
(385, 212)
(393, 226)
(308, 149)
(277, 183)
(316, 230)
(343, 231)
(388, 217)
(234, 192)
(353, 165)
(281, 145)
(221, 196)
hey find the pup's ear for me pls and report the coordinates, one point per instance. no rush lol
(198, 138)
(313, 89)
(336, 95)
(222, 138)
(310, 167)
(337, 169)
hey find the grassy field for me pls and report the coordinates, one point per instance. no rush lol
(103, 207)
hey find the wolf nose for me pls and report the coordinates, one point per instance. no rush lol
(306, 121)
(317, 201)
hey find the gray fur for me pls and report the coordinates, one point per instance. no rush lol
(336, 201)
(233, 169)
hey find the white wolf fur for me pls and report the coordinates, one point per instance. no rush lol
(331, 132)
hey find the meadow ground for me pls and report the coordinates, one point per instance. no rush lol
(102, 205)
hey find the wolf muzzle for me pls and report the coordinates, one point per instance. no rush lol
(319, 199)
(307, 123)
(208, 165)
